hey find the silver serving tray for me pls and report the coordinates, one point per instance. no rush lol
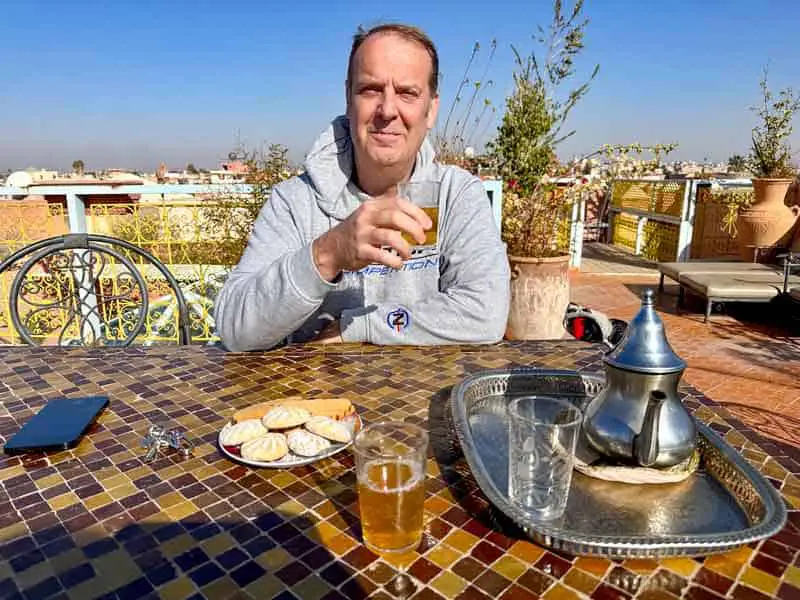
(725, 504)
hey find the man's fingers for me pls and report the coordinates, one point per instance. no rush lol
(381, 232)
(375, 255)
(415, 212)
(393, 239)
(402, 221)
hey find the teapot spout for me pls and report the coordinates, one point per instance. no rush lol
(645, 444)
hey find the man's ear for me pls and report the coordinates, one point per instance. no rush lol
(347, 96)
(433, 111)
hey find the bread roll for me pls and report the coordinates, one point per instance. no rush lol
(242, 432)
(335, 408)
(267, 448)
(305, 443)
(330, 429)
(284, 417)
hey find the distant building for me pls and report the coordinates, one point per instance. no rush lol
(236, 167)
(229, 171)
(41, 175)
(122, 174)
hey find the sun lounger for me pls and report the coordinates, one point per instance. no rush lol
(757, 286)
(677, 270)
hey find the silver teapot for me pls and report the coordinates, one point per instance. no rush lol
(639, 417)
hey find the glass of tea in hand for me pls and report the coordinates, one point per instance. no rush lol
(424, 194)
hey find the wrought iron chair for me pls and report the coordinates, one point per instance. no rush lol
(89, 290)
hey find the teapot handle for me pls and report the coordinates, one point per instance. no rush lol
(645, 444)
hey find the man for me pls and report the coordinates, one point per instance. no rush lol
(326, 260)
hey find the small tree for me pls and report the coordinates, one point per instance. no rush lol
(523, 154)
(737, 163)
(537, 110)
(770, 156)
(534, 210)
(191, 169)
(229, 220)
(77, 167)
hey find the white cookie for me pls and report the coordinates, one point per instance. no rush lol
(242, 432)
(305, 443)
(330, 429)
(284, 417)
(266, 448)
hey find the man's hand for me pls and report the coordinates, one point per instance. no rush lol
(360, 239)
(332, 334)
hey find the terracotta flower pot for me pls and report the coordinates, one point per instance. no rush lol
(768, 222)
(539, 297)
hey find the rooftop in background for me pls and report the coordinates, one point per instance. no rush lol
(69, 181)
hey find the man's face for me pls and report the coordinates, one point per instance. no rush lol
(390, 104)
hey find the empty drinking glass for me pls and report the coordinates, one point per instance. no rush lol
(542, 433)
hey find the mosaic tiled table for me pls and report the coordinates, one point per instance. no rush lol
(99, 522)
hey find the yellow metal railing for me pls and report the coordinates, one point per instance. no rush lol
(661, 203)
(660, 241)
(198, 242)
(23, 222)
(634, 195)
(623, 231)
(26, 221)
(657, 197)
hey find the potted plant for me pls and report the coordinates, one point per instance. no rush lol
(768, 222)
(537, 226)
(535, 229)
(540, 193)
(536, 233)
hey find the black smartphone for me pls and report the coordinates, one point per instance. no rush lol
(59, 425)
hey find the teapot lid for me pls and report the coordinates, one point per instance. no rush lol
(645, 347)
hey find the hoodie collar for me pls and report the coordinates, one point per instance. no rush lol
(329, 165)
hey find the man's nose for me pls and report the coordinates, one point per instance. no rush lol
(388, 105)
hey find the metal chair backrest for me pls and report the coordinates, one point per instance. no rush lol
(791, 260)
(600, 223)
(88, 290)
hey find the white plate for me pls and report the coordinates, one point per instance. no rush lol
(294, 460)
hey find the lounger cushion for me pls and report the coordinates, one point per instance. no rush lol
(675, 270)
(752, 286)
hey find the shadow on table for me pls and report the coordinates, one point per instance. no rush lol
(474, 512)
(776, 433)
(222, 554)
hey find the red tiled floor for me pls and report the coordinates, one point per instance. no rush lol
(750, 367)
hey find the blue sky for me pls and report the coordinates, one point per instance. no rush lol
(130, 84)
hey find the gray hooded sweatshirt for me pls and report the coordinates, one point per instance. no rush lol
(457, 292)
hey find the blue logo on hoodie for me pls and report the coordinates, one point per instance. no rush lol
(399, 319)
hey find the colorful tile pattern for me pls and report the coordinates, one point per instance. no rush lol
(98, 521)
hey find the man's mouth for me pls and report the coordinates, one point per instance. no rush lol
(385, 135)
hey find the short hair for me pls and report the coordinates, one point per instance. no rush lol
(408, 32)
